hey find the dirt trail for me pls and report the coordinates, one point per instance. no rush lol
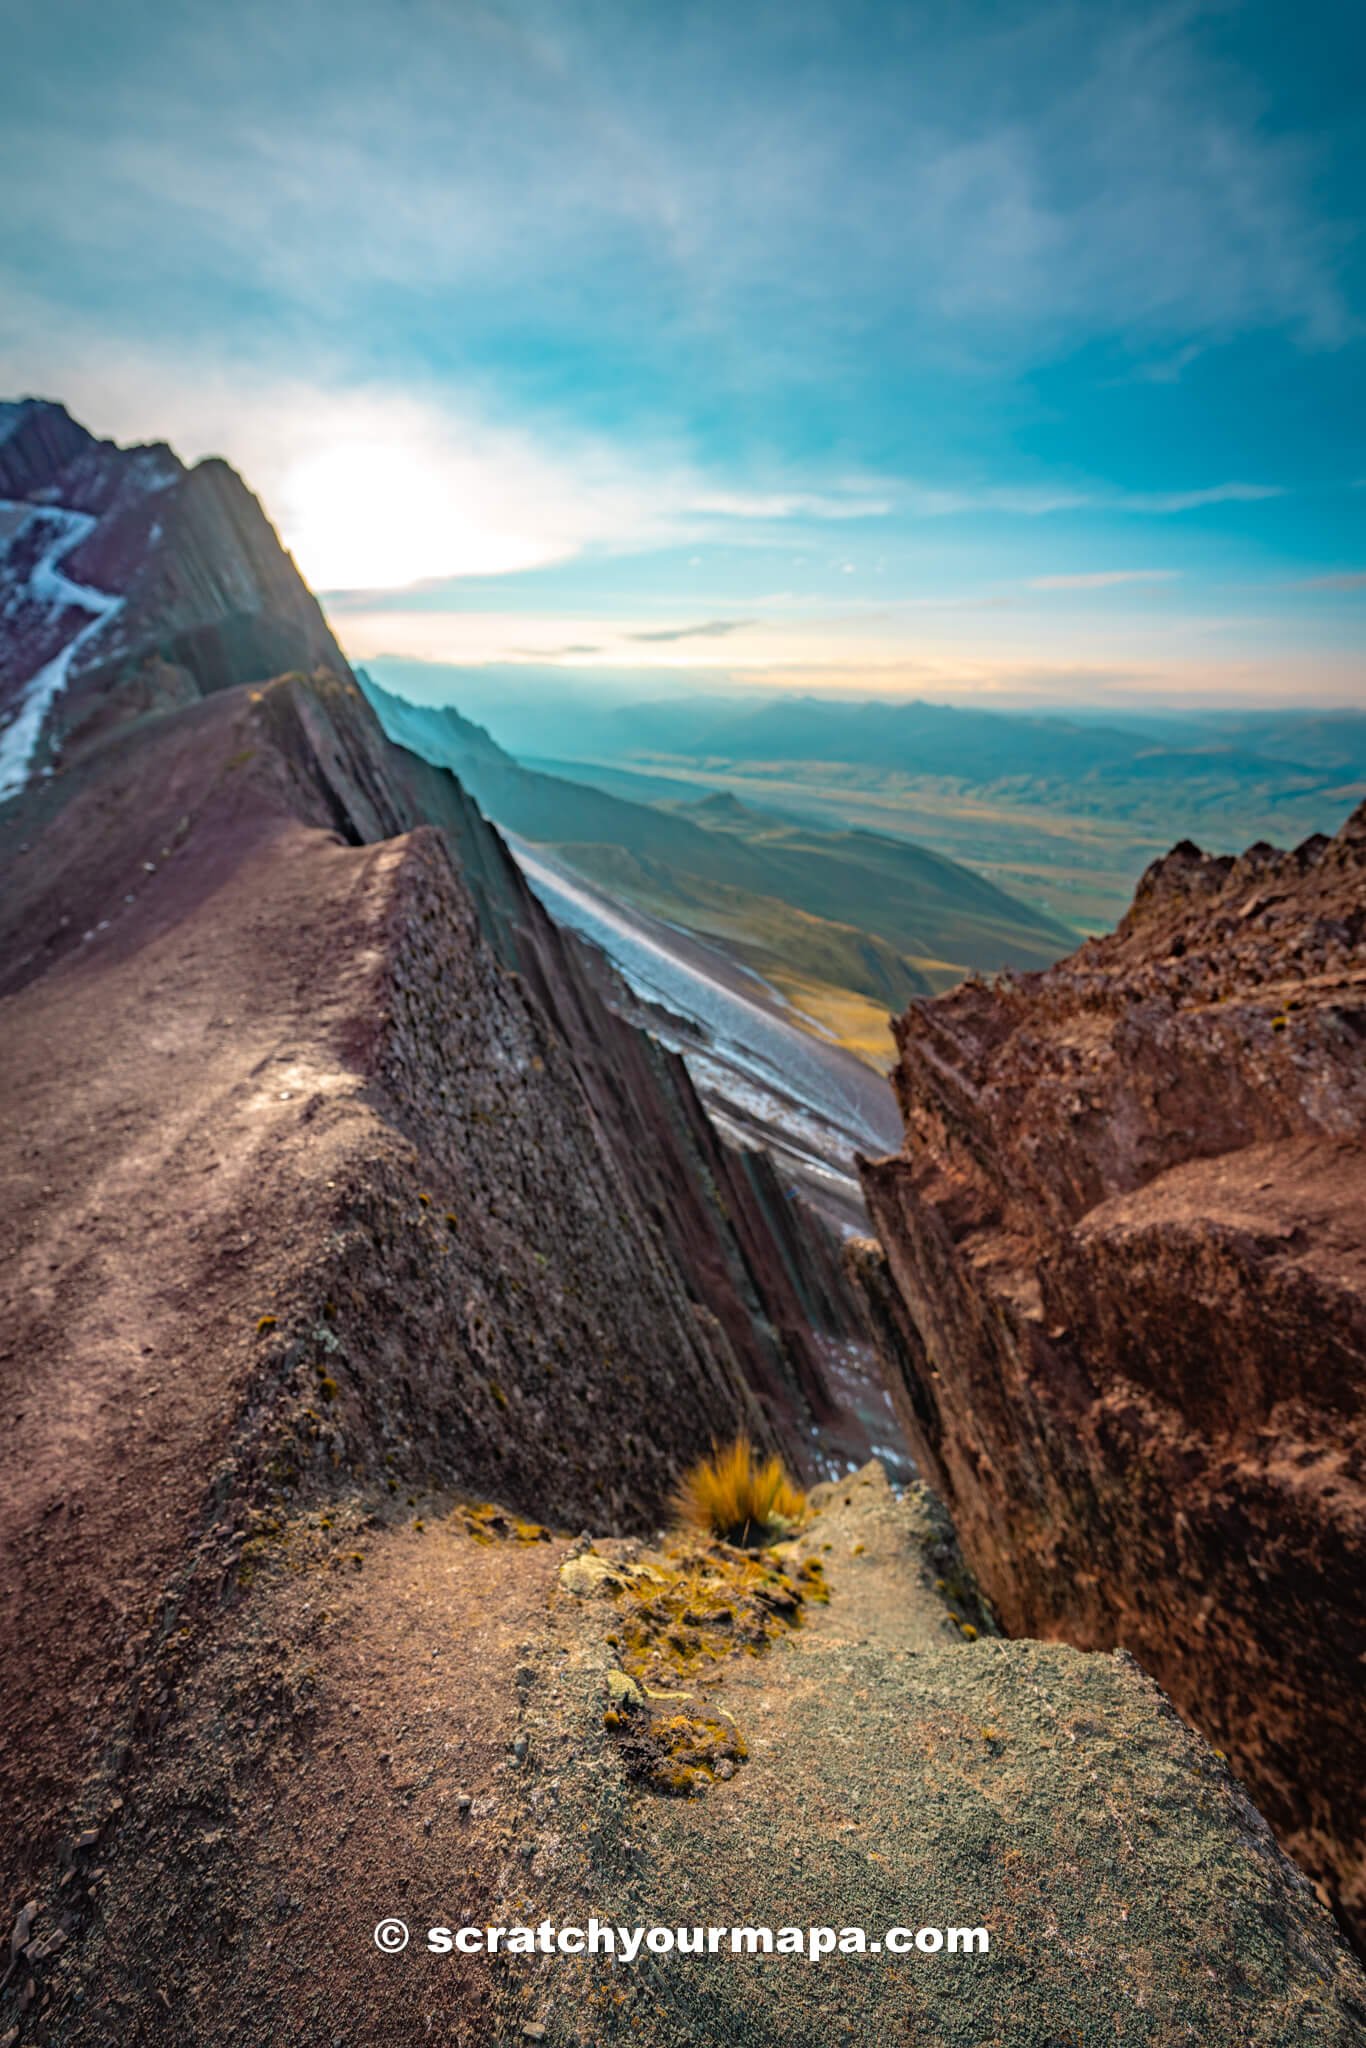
(159, 1102)
(396, 1716)
(342, 1747)
(901, 1774)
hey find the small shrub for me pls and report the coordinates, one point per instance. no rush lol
(734, 1496)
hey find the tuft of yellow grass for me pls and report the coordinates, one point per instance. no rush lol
(734, 1496)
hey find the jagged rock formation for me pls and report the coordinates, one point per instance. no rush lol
(1121, 1297)
(288, 1038)
(202, 594)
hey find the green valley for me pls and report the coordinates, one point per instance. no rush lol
(847, 924)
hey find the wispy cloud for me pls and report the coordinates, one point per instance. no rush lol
(795, 504)
(712, 629)
(1102, 579)
(1346, 579)
(1043, 501)
(1170, 369)
(1195, 501)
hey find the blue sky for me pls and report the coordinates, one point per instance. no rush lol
(968, 350)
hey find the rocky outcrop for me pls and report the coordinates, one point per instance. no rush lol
(201, 594)
(1121, 1295)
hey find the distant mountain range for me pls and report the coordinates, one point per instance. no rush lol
(1064, 812)
(821, 914)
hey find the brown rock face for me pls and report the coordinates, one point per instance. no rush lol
(1121, 1295)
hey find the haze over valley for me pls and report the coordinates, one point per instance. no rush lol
(1063, 810)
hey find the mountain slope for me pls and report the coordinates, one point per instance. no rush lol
(938, 916)
(324, 1163)
(348, 1238)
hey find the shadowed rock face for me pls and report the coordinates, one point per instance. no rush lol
(1121, 1295)
(323, 1161)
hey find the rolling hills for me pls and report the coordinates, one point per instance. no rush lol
(847, 923)
(1062, 811)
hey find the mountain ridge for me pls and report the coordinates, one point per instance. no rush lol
(171, 888)
(356, 1252)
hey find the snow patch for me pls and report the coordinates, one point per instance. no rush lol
(52, 588)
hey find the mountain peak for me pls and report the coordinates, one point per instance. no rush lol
(128, 583)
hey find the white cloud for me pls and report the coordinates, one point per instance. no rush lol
(1042, 502)
(371, 487)
(852, 503)
(1193, 501)
(1102, 579)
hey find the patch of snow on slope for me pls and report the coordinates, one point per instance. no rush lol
(51, 587)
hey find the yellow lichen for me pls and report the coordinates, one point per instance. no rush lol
(485, 1523)
(678, 1754)
(693, 1605)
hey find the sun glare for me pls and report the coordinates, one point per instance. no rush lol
(374, 515)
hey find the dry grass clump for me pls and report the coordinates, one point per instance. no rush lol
(734, 1496)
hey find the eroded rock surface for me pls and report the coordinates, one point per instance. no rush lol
(1121, 1295)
